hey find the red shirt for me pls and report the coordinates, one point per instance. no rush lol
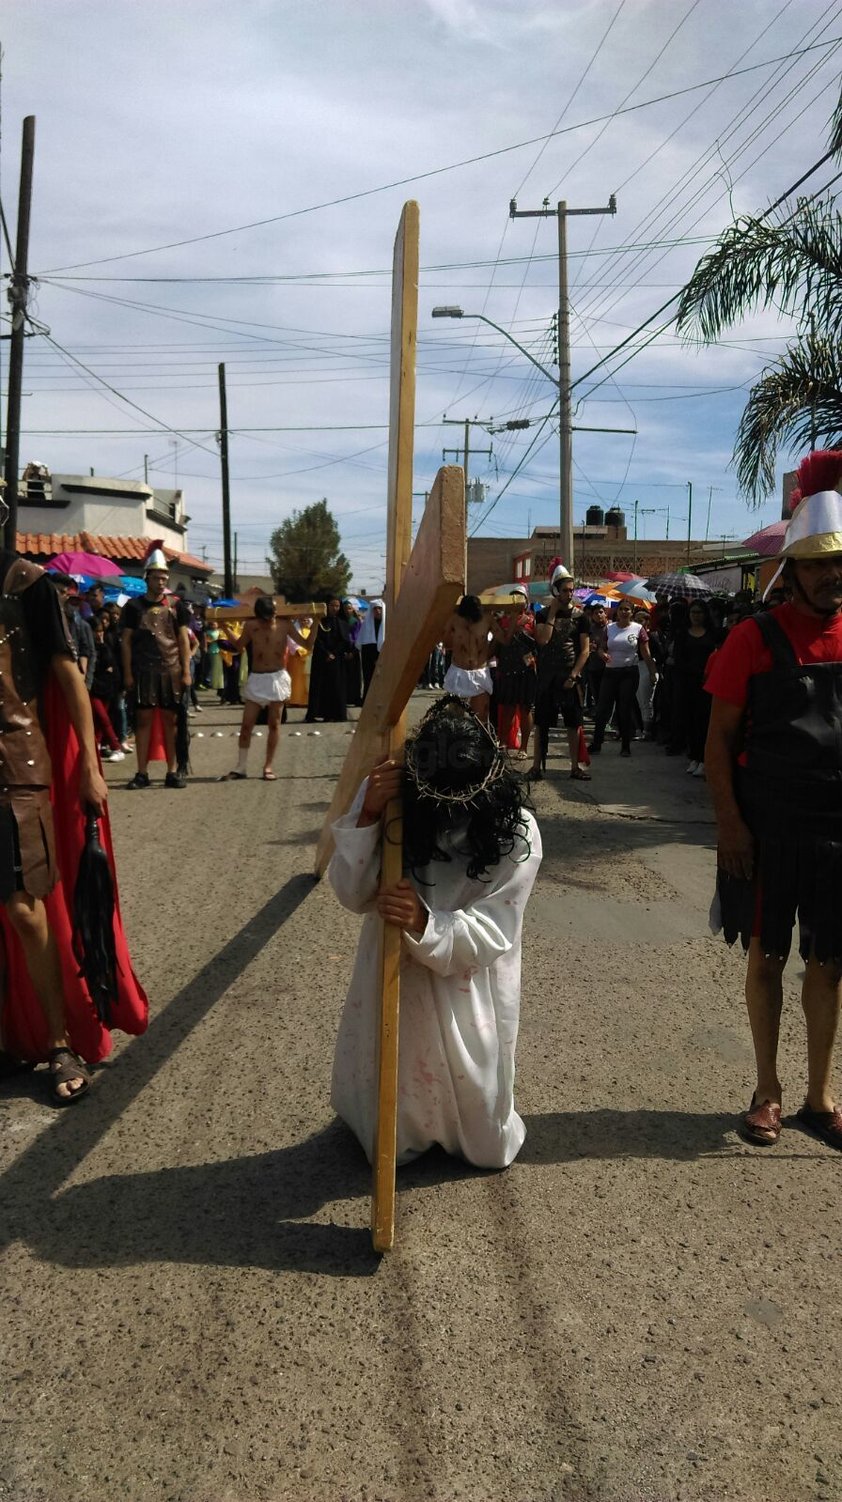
(744, 652)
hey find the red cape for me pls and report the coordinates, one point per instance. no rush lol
(24, 1029)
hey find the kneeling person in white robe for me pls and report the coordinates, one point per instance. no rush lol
(471, 855)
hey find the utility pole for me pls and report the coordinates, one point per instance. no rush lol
(711, 489)
(634, 555)
(565, 403)
(689, 516)
(226, 494)
(18, 297)
(234, 571)
(469, 422)
(146, 469)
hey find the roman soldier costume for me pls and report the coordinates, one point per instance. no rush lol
(789, 776)
(43, 827)
(156, 663)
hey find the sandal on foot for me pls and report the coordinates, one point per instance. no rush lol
(824, 1124)
(65, 1065)
(233, 777)
(577, 775)
(270, 777)
(762, 1124)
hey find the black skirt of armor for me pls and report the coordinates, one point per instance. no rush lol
(155, 690)
(798, 872)
(514, 682)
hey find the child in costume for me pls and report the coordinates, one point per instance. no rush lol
(471, 855)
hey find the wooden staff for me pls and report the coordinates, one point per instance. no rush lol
(398, 549)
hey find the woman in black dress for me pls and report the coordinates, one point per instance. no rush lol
(691, 652)
(328, 685)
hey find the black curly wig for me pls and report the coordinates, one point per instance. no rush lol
(458, 777)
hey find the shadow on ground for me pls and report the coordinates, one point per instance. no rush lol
(245, 1212)
(38, 1173)
(679, 1136)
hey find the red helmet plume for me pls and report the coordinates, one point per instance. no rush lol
(821, 470)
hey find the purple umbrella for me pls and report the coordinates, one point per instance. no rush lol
(92, 564)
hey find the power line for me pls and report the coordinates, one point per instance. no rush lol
(435, 171)
(675, 298)
(603, 39)
(669, 201)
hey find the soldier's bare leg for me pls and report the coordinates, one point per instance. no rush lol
(820, 997)
(28, 917)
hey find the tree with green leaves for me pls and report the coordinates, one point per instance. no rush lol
(789, 259)
(306, 562)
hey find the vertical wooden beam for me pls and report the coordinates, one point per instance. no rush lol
(398, 547)
(433, 582)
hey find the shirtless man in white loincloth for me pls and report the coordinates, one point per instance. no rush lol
(268, 684)
(467, 638)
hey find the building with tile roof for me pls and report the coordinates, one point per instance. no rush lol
(114, 517)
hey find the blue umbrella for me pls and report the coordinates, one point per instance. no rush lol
(128, 584)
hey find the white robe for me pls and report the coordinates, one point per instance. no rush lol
(459, 1006)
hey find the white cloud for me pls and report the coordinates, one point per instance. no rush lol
(174, 122)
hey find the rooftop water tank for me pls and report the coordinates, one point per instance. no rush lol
(615, 517)
(594, 517)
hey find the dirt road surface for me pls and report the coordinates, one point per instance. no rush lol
(642, 1309)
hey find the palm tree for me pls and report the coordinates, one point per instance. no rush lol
(790, 260)
(795, 401)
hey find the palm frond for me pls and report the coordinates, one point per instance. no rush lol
(835, 142)
(792, 261)
(797, 400)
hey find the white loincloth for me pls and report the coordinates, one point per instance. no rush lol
(268, 688)
(468, 683)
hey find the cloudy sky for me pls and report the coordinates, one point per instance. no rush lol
(223, 183)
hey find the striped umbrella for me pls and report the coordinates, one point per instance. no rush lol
(679, 586)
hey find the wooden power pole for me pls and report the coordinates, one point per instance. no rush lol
(565, 424)
(226, 493)
(18, 295)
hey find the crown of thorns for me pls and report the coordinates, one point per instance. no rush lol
(464, 796)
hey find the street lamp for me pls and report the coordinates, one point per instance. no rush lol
(453, 312)
(565, 429)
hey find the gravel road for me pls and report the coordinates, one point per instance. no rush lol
(642, 1309)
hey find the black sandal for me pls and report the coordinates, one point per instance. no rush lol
(65, 1065)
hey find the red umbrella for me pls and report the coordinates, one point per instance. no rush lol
(620, 577)
(768, 540)
(92, 564)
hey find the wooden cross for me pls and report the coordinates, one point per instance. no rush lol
(422, 587)
(244, 612)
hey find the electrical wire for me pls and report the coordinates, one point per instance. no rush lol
(582, 77)
(745, 112)
(432, 172)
